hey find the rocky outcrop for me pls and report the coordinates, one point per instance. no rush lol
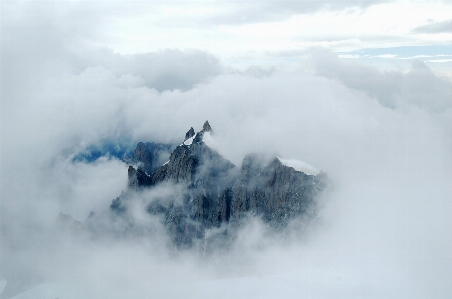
(150, 155)
(206, 127)
(214, 193)
(138, 178)
(189, 134)
(274, 191)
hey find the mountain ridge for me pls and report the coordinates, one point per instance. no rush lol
(218, 194)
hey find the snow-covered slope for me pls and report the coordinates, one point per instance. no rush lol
(299, 166)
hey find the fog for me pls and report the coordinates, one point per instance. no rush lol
(384, 228)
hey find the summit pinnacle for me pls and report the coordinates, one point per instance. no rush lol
(212, 197)
(206, 127)
(189, 134)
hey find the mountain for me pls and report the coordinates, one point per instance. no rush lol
(150, 155)
(212, 197)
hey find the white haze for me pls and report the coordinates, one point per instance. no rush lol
(384, 231)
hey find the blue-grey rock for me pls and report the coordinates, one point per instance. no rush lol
(217, 196)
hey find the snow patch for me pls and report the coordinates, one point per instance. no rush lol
(299, 166)
(189, 141)
(206, 137)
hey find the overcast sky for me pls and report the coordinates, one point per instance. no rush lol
(359, 89)
(245, 33)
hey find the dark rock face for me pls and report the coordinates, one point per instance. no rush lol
(189, 134)
(137, 178)
(206, 127)
(196, 164)
(217, 195)
(151, 155)
(273, 191)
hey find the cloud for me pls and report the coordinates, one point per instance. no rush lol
(174, 69)
(48, 37)
(388, 207)
(259, 72)
(420, 86)
(167, 69)
(263, 11)
(385, 227)
(436, 27)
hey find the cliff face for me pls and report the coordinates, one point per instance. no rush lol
(274, 191)
(215, 194)
(150, 155)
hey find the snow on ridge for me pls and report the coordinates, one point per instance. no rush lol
(189, 141)
(206, 137)
(299, 166)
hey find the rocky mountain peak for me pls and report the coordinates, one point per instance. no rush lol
(206, 127)
(189, 134)
(150, 155)
(215, 195)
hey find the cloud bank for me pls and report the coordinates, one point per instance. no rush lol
(436, 27)
(383, 137)
(384, 230)
(420, 86)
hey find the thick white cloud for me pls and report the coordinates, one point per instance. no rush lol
(420, 86)
(385, 227)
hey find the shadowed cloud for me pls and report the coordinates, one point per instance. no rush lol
(436, 27)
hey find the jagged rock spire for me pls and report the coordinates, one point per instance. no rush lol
(190, 133)
(206, 127)
(220, 193)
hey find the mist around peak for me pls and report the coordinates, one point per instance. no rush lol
(383, 137)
